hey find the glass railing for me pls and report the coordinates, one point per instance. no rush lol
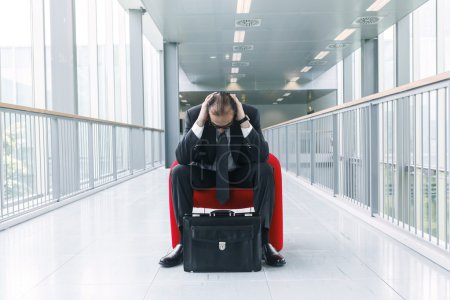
(388, 153)
(47, 157)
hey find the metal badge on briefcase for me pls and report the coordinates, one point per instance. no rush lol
(222, 241)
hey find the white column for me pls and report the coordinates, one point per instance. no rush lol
(136, 89)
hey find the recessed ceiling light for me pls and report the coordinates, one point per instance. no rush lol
(213, 57)
(233, 80)
(183, 100)
(180, 96)
(237, 56)
(227, 56)
(345, 34)
(280, 99)
(322, 54)
(286, 94)
(234, 70)
(275, 103)
(306, 69)
(377, 5)
(243, 6)
(239, 36)
(294, 79)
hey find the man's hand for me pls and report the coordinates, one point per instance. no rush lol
(203, 115)
(240, 112)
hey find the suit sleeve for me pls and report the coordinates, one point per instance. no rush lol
(186, 150)
(255, 144)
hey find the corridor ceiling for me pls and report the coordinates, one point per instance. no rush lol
(290, 35)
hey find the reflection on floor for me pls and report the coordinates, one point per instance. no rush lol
(107, 246)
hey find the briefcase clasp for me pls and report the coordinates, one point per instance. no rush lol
(222, 246)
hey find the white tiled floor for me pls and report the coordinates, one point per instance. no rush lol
(108, 246)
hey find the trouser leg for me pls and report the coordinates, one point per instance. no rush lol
(258, 176)
(185, 179)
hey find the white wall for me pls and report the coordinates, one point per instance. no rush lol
(324, 102)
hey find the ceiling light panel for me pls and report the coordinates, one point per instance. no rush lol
(294, 79)
(243, 6)
(378, 5)
(233, 80)
(239, 36)
(234, 70)
(286, 94)
(345, 34)
(237, 56)
(322, 54)
(306, 69)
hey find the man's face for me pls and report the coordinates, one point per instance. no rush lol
(222, 122)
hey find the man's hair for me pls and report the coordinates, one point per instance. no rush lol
(220, 104)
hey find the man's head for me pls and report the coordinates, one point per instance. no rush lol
(222, 110)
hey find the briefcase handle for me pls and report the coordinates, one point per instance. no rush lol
(222, 213)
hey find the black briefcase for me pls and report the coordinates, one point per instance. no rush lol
(222, 241)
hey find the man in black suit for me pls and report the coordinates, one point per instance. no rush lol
(223, 145)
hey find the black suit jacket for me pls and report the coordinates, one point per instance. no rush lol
(247, 150)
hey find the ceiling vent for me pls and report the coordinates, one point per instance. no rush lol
(317, 63)
(335, 46)
(240, 64)
(368, 20)
(237, 75)
(240, 48)
(248, 23)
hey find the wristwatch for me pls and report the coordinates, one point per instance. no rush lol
(246, 118)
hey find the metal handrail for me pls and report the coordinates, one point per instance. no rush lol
(400, 89)
(390, 154)
(71, 116)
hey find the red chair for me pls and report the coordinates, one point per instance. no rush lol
(239, 198)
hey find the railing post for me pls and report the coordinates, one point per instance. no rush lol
(335, 155)
(287, 146)
(91, 154)
(373, 154)
(114, 151)
(152, 146)
(297, 149)
(54, 133)
(312, 151)
(130, 150)
(2, 174)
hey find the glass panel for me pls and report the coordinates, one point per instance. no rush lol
(292, 148)
(16, 85)
(424, 40)
(386, 59)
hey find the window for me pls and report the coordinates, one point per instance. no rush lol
(386, 59)
(443, 27)
(102, 59)
(152, 85)
(424, 41)
(22, 53)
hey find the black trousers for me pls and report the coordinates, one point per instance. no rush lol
(259, 176)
